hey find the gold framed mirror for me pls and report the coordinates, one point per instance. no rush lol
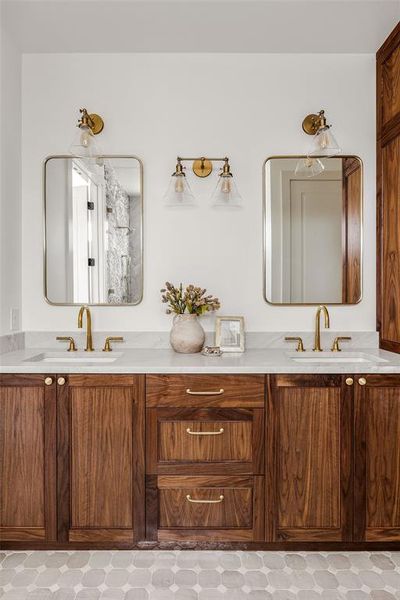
(312, 230)
(93, 230)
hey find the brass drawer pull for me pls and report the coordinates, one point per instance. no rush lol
(190, 432)
(190, 499)
(189, 391)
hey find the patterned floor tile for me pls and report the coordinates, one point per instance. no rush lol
(165, 575)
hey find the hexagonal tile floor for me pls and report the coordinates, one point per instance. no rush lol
(146, 575)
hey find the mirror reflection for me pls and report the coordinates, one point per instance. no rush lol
(312, 230)
(93, 230)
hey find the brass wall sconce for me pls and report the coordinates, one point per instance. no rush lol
(324, 142)
(89, 125)
(225, 193)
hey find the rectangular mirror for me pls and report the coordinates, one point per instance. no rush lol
(93, 247)
(312, 230)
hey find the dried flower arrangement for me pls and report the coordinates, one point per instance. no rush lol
(190, 300)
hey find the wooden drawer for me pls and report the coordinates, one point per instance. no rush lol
(205, 508)
(228, 391)
(206, 440)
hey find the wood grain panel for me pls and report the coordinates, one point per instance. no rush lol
(352, 223)
(234, 443)
(309, 490)
(238, 390)
(309, 458)
(101, 380)
(239, 449)
(391, 86)
(101, 457)
(383, 457)
(239, 517)
(22, 452)
(23, 534)
(388, 191)
(390, 316)
(94, 535)
(234, 511)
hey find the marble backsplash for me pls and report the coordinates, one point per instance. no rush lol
(12, 342)
(160, 340)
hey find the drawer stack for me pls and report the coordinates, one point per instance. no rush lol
(205, 457)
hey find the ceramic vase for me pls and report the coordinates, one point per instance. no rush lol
(187, 335)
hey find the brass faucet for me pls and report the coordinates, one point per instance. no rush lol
(89, 340)
(317, 342)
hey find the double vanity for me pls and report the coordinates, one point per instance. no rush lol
(148, 448)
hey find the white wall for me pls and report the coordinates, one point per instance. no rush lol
(10, 207)
(159, 105)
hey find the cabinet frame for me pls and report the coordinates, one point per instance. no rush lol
(11, 535)
(115, 537)
(275, 533)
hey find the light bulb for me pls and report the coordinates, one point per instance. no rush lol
(85, 137)
(179, 193)
(226, 187)
(179, 183)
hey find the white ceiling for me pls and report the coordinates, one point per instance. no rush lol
(276, 26)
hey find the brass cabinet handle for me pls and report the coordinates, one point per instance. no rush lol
(111, 338)
(61, 381)
(190, 432)
(48, 381)
(300, 346)
(362, 381)
(349, 381)
(67, 338)
(189, 391)
(194, 501)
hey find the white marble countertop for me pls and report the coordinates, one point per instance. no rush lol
(149, 360)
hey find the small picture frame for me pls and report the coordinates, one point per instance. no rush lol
(229, 334)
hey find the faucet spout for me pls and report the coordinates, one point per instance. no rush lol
(317, 341)
(89, 339)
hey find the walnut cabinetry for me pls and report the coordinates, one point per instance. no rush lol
(388, 191)
(27, 458)
(309, 458)
(377, 459)
(251, 461)
(205, 457)
(100, 459)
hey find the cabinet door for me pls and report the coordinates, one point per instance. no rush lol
(101, 458)
(388, 192)
(27, 458)
(377, 458)
(308, 469)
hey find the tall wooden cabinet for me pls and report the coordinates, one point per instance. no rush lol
(27, 458)
(388, 192)
(100, 458)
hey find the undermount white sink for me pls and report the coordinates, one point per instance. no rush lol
(335, 358)
(75, 357)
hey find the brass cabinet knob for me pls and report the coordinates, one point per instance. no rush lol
(349, 381)
(362, 381)
(61, 381)
(48, 381)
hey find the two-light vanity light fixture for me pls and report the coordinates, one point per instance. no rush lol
(323, 144)
(225, 193)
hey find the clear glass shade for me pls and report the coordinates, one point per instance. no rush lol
(84, 144)
(324, 143)
(309, 167)
(226, 193)
(179, 193)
